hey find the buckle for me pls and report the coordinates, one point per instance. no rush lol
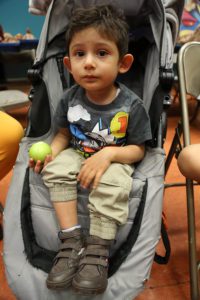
(166, 78)
(34, 75)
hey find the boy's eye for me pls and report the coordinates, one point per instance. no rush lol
(102, 52)
(79, 53)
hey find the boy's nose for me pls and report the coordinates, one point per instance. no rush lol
(89, 61)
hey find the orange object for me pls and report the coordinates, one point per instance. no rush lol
(11, 133)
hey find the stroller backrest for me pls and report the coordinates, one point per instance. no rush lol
(151, 38)
(153, 30)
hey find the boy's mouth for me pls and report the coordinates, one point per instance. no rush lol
(89, 77)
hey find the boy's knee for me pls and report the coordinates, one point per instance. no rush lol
(118, 175)
(47, 173)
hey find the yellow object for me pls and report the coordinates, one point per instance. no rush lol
(119, 124)
(39, 151)
(11, 133)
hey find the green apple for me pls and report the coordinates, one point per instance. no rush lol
(39, 151)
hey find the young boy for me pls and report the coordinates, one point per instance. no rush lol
(103, 128)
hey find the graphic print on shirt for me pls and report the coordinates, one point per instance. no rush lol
(90, 141)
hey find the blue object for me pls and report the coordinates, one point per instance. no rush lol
(15, 18)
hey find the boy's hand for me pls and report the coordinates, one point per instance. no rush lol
(93, 168)
(38, 166)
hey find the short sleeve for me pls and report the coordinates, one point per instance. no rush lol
(61, 114)
(68, 98)
(139, 128)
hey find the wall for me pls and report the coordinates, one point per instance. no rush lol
(15, 18)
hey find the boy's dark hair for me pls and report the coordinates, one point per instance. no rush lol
(107, 19)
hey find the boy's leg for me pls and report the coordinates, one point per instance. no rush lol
(66, 213)
(108, 206)
(60, 177)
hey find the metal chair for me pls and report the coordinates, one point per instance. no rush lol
(189, 83)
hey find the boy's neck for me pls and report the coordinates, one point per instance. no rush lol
(102, 97)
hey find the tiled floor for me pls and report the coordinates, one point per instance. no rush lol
(169, 281)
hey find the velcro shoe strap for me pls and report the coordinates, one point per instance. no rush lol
(94, 261)
(69, 245)
(67, 235)
(63, 254)
(95, 252)
(93, 240)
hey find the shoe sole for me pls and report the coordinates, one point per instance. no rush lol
(59, 286)
(87, 292)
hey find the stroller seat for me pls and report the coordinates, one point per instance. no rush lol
(28, 256)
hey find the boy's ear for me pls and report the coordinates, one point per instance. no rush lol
(67, 63)
(126, 63)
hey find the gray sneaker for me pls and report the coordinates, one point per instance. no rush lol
(91, 277)
(67, 260)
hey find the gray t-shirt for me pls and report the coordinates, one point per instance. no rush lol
(122, 122)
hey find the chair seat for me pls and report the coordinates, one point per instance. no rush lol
(10, 99)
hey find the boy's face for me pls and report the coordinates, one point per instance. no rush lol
(93, 60)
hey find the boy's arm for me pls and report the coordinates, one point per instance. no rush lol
(95, 166)
(59, 143)
(127, 154)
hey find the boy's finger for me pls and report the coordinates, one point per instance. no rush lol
(48, 159)
(96, 180)
(38, 167)
(31, 163)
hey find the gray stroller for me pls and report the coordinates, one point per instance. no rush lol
(29, 214)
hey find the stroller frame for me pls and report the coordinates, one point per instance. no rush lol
(164, 20)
